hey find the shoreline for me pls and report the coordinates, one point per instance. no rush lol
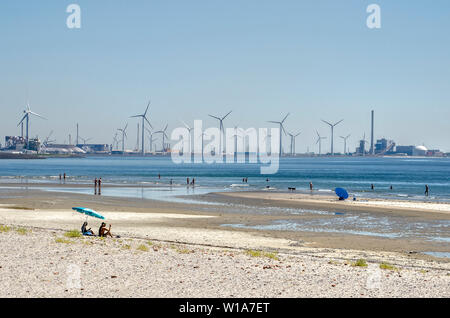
(324, 201)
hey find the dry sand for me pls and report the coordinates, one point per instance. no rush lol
(34, 263)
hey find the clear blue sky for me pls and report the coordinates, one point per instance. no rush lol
(259, 58)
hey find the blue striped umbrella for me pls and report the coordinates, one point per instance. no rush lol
(89, 212)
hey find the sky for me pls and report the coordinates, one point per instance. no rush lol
(261, 59)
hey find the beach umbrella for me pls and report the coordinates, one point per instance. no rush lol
(341, 193)
(89, 212)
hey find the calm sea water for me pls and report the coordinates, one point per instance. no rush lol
(408, 176)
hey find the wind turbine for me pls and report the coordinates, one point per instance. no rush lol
(281, 129)
(26, 117)
(220, 119)
(124, 135)
(164, 135)
(150, 133)
(236, 135)
(189, 130)
(345, 143)
(144, 119)
(47, 140)
(85, 140)
(364, 144)
(115, 142)
(332, 132)
(202, 135)
(293, 142)
(319, 141)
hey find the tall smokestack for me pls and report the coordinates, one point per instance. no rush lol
(372, 150)
(77, 142)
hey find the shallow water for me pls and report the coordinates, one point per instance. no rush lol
(408, 176)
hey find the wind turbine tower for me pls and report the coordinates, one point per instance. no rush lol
(332, 132)
(164, 135)
(293, 142)
(345, 143)
(190, 141)
(281, 130)
(220, 119)
(124, 135)
(144, 119)
(319, 141)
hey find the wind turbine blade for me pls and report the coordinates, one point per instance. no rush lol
(226, 115)
(285, 118)
(338, 122)
(135, 116)
(164, 130)
(147, 108)
(326, 122)
(23, 118)
(186, 125)
(274, 122)
(148, 122)
(37, 115)
(214, 117)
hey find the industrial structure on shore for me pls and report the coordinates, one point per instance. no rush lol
(24, 144)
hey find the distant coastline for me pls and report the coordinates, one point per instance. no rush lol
(9, 155)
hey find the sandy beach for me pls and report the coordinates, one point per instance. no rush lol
(45, 263)
(169, 249)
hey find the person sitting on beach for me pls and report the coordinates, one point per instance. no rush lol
(85, 231)
(103, 231)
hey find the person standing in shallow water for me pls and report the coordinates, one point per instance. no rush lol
(100, 186)
(95, 184)
(311, 186)
(427, 190)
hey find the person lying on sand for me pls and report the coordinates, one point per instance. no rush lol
(103, 232)
(85, 231)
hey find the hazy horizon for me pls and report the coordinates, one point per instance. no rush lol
(260, 59)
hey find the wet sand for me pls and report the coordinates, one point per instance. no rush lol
(59, 205)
